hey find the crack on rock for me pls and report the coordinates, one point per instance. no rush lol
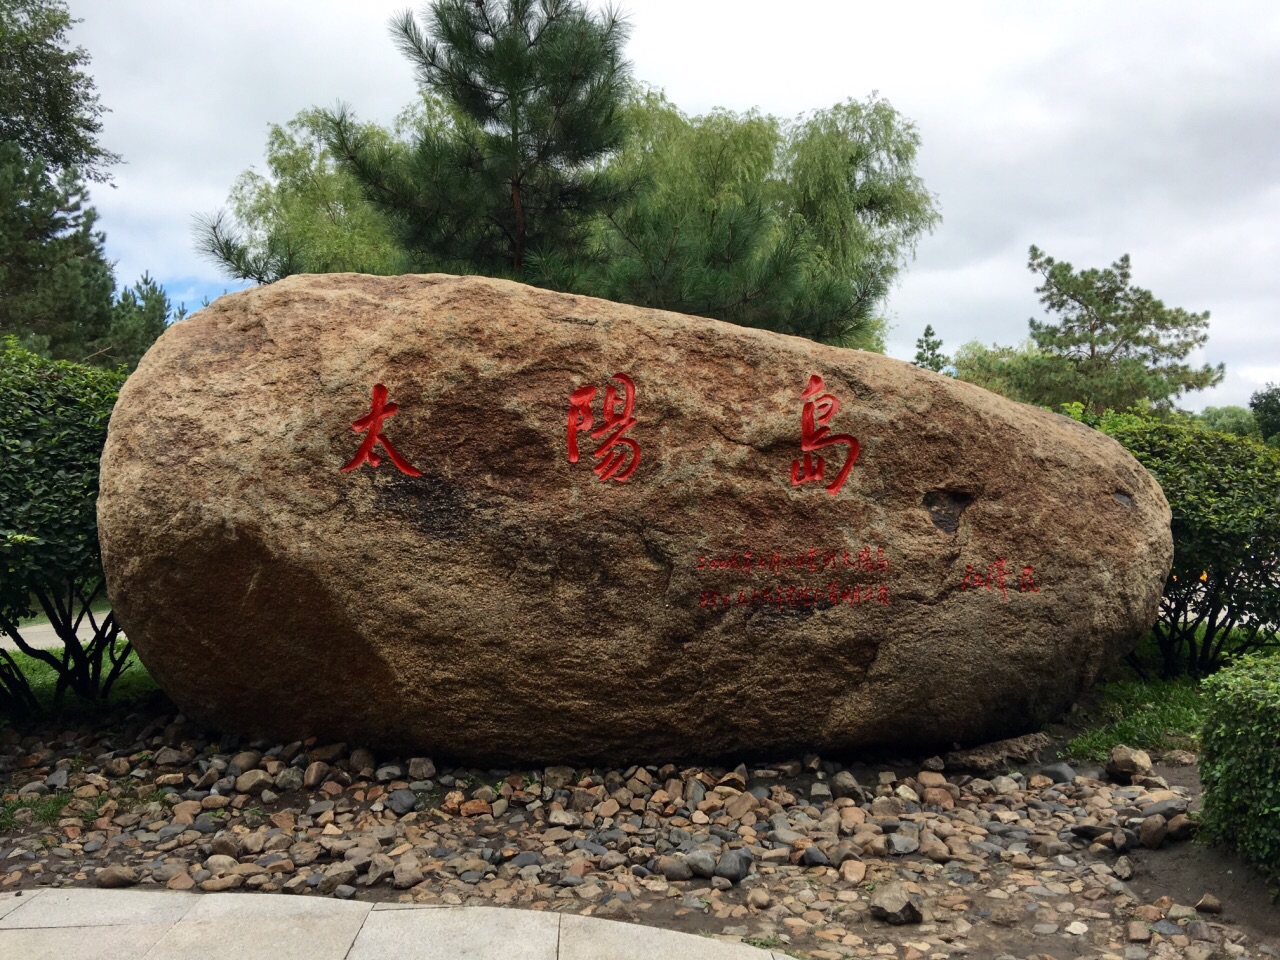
(740, 443)
(946, 507)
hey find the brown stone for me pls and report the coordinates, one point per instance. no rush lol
(180, 881)
(1125, 764)
(1152, 832)
(475, 808)
(853, 871)
(939, 797)
(450, 603)
(114, 877)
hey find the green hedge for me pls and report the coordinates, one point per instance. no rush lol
(1222, 597)
(1240, 761)
(53, 424)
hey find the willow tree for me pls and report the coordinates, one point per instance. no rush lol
(306, 213)
(799, 227)
(535, 90)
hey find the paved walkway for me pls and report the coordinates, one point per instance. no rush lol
(77, 924)
(42, 635)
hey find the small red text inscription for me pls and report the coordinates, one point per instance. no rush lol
(371, 426)
(999, 577)
(869, 559)
(815, 435)
(618, 455)
(800, 595)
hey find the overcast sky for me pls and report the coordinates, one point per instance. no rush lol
(1088, 129)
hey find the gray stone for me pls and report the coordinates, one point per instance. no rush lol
(407, 873)
(1059, 772)
(675, 868)
(901, 845)
(58, 779)
(814, 857)
(734, 865)
(401, 801)
(702, 863)
(421, 768)
(844, 784)
(891, 903)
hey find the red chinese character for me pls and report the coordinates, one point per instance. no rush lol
(973, 579)
(372, 422)
(611, 462)
(869, 563)
(1028, 581)
(996, 573)
(815, 435)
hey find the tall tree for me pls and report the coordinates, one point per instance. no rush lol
(55, 281)
(1007, 371)
(1238, 421)
(1115, 344)
(929, 351)
(1265, 404)
(536, 90)
(138, 317)
(49, 106)
(57, 289)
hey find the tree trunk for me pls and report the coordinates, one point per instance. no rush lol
(518, 205)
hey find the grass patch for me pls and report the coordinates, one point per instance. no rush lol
(133, 684)
(47, 810)
(1151, 715)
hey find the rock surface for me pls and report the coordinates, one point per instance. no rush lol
(981, 563)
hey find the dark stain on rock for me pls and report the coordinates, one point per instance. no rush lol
(435, 507)
(946, 507)
(1123, 498)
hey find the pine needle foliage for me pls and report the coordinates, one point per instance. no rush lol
(535, 89)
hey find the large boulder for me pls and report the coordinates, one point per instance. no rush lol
(441, 575)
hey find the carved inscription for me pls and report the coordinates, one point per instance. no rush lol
(371, 426)
(997, 578)
(815, 435)
(618, 454)
(823, 594)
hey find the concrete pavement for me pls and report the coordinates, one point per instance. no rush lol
(42, 635)
(79, 924)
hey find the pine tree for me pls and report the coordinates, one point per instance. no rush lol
(1116, 345)
(56, 284)
(535, 90)
(929, 352)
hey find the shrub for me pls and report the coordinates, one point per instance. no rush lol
(1240, 760)
(1223, 594)
(53, 424)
